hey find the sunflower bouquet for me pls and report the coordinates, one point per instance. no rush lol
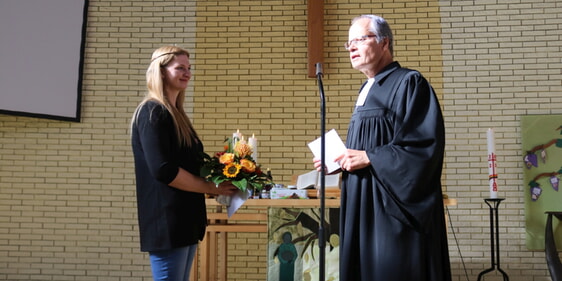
(236, 165)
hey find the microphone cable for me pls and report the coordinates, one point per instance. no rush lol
(456, 241)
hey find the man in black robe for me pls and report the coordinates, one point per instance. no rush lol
(392, 224)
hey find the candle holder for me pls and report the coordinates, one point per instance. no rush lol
(493, 204)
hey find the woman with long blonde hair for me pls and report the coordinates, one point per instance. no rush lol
(167, 151)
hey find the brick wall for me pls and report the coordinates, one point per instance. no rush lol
(67, 199)
(501, 60)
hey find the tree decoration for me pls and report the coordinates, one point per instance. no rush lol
(531, 158)
(536, 189)
(554, 181)
(536, 192)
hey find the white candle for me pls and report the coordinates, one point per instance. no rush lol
(253, 142)
(237, 134)
(492, 165)
(236, 137)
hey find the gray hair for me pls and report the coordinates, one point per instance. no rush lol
(379, 26)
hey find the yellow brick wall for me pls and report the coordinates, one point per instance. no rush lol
(501, 60)
(67, 202)
(251, 72)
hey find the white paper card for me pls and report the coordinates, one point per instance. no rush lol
(334, 148)
(236, 201)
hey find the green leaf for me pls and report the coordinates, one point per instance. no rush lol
(205, 171)
(256, 185)
(533, 183)
(241, 184)
(217, 179)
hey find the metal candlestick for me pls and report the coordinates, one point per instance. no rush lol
(493, 204)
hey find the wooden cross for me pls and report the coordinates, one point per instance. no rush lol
(315, 35)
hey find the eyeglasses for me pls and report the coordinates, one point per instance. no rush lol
(357, 41)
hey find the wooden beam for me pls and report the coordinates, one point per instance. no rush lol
(215, 228)
(315, 35)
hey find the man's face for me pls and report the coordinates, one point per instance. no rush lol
(365, 53)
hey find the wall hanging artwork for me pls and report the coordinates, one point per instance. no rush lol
(293, 253)
(542, 171)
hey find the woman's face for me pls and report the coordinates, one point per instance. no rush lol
(177, 74)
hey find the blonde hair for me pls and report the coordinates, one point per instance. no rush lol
(155, 85)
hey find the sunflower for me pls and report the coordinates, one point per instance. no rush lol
(231, 170)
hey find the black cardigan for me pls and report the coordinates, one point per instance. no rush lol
(168, 217)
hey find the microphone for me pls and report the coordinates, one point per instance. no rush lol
(321, 226)
(318, 69)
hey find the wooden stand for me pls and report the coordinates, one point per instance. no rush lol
(210, 267)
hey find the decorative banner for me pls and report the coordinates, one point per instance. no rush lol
(293, 252)
(542, 158)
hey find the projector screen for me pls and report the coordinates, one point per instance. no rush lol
(41, 57)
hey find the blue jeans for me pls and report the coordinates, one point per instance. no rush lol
(172, 265)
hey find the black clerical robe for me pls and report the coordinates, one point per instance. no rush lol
(392, 218)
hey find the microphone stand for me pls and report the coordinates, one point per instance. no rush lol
(321, 231)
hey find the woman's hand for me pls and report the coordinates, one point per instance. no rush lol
(226, 188)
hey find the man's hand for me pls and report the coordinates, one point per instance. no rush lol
(318, 164)
(353, 160)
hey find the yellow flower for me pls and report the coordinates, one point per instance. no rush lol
(231, 170)
(247, 165)
(226, 158)
(242, 149)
